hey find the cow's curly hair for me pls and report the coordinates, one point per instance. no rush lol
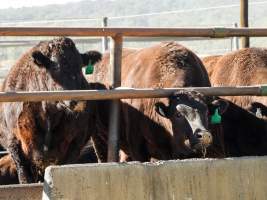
(190, 95)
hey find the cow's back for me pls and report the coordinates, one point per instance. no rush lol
(244, 67)
(210, 63)
(164, 65)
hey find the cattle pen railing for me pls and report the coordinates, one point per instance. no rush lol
(117, 35)
(128, 93)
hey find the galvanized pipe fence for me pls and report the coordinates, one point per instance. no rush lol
(117, 35)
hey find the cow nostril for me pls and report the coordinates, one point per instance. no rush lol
(204, 136)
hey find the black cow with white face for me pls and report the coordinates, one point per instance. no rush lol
(189, 113)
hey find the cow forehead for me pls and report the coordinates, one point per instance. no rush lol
(62, 42)
(190, 104)
(59, 45)
(64, 50)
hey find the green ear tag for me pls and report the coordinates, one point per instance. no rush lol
(89, 69)
(216, 118)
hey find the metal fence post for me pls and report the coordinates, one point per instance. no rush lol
(235, 40)
(115, 78)
(244, 21)
(104, 39)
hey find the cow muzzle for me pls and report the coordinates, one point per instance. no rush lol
(201, 140)
(204, 137)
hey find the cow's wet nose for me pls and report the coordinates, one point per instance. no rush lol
(205, 137)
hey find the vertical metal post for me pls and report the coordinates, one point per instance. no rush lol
(235, 40)
(244, 21)
(104, 39)
(114, 118)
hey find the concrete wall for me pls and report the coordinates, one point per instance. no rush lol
(21, 192)
(209, 179)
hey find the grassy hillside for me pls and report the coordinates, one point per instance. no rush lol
(99, 8)
(193, 13)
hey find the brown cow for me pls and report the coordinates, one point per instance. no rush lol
(242, 133)
(243, 67)
(38, 134)
(158, 128)
(209, 63)
(8, 172)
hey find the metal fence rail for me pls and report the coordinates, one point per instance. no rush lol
(215, 32)
(128, 93)
(117, 35)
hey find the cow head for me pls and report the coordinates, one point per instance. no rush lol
(59, 64)
(189, 113)
(63, 62)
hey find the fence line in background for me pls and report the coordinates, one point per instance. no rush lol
(10, 43)
(215, 32)
(105, 40)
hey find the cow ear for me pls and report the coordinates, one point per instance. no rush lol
(162, 109)
(258, 109)
(40, 59)
(221, 104)
(91, 57)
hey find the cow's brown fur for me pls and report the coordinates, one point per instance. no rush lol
(210, 62)
(8, 172)
(243, 67)
(145, 134)
(25, 126)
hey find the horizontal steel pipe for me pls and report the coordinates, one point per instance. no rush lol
(214, 32)
(3, 152)
(128, 93)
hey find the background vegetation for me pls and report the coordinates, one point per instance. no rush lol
(130, 13)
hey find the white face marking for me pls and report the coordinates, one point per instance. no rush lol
(258, 113)
(192, 117)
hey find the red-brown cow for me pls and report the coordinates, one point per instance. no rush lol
(8, 172)
(158, 128)
(209, 63)
(38, 134)
(243, 67)
(241, 133)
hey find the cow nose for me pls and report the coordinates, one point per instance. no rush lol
(205, 137)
